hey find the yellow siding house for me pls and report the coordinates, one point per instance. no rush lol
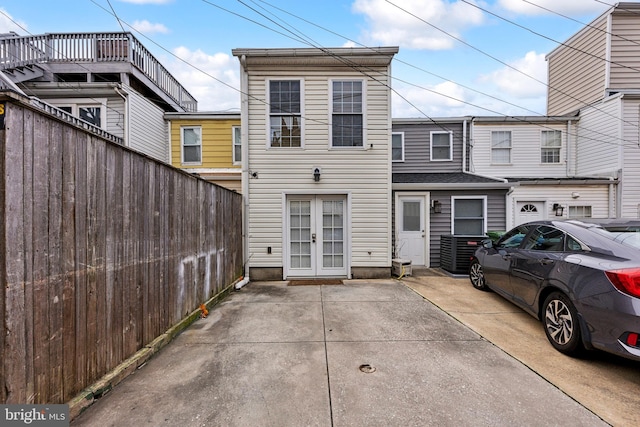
(207, 144)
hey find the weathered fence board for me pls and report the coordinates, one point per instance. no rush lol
(101, 251)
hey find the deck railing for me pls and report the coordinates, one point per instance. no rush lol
(21, 51)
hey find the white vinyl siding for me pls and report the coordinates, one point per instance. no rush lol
(625, 60)
(599, 139)
(364, 174)
(596, 196)
(630, 160)
(147, 127)
(584, 58)
(525, 154)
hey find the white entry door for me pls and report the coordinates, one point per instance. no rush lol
(411, 228)
(529, 211)
(316, 238)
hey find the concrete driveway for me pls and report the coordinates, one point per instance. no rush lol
(366, 353)
(606, 384)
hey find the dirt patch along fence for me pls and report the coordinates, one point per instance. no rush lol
(102, 250)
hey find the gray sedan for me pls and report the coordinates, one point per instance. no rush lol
(573, 276)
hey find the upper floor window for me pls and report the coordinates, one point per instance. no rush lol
(285, 113)
(347, 117)
(237, 145)
(397, 147)
(551, 142)
(441, 146)
(501, 147)
(469, 216)
(191, 142)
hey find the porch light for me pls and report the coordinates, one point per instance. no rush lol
(558, 209)
(436, 206)
(316, 174)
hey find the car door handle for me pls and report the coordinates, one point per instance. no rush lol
(506, 256)
(545, 261)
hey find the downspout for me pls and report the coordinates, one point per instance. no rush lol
(471, 168)
(244, 136)
(612, 210)
(464, 145)
(568, 158)
(125, 98)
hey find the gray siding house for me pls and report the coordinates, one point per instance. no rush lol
(435, 196)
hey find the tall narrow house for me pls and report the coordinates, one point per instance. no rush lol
(316, 135)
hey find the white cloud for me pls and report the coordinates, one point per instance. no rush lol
(518, 84)
(446, 99)
(411, 24)
(575, 7)
(146, 27)
(202, 74)
(7, 25)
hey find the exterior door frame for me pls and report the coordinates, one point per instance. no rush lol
(426, 201)
(286, 262)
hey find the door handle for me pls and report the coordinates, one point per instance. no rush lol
(313, 238)
(545, 261)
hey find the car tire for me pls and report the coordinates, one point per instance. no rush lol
(561, 324)
(476, 276)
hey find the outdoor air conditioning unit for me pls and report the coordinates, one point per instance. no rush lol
(456, 252)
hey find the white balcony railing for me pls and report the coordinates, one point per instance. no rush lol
(21, 51)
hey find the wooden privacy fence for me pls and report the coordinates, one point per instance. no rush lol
(101, 251)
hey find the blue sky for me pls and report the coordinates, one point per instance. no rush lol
(464, 57)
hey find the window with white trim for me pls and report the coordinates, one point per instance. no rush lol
(347, 118)
(579, 211)
(501, 147)
(91, 113)
(441, 146)
(237, 145)
(397, 147)
(469, 216)
(550, 144)
(191, 143)
(285, 113)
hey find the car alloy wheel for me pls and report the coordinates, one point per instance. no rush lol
(561, 326)
(476, 276)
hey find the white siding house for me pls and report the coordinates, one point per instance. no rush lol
(540, 157)
(316, 133)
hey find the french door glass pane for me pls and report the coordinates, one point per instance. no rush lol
(300, 233)
(332, 233)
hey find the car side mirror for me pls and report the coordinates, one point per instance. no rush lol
(487, 243)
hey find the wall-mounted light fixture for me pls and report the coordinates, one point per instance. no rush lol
(558, 209)
(436, 206)
(575, 195)
(316, 174)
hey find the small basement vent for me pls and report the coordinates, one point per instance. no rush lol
(456, 252)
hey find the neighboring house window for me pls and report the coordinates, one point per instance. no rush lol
(285, 114)
(441, 146)
(237, 145)
(92, 113)
(469, 216)
(191, 137)
(550, 146)
(346, 114)
(397, 147)
(579, 211)
(501, 147)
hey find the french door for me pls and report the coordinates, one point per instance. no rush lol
(316, 239)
